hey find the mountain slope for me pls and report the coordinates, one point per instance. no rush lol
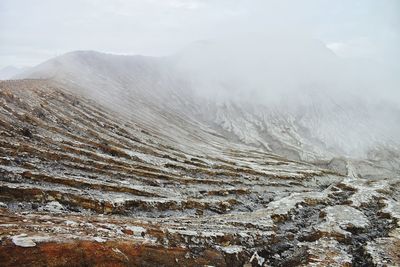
(111, 186)
(309, 125)
(136, 161)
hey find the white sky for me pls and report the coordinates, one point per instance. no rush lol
(32, 31)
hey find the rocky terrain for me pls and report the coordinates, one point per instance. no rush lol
(107, 160)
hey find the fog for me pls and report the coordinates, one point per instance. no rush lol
(32, 31)
(351, 104)
(333, 63)
(257, 49)
(268, 67)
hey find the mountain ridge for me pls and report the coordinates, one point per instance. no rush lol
(317, 128)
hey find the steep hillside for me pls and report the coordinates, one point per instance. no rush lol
(312, 124)
(129, 161)
(83, 184)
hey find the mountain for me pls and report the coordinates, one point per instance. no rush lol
(11, 71)
(212, 156)
(175, 93)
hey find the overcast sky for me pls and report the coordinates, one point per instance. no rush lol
(32, 31)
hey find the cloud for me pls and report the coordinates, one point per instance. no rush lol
(355, 48)
(162, 27)
(186, 4)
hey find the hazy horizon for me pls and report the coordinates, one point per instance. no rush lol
(34, 31)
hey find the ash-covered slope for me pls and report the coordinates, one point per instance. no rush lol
(142, 161)
(138, 88)
(83, 185)
(295, 97)
(134, 161)
(192, 90)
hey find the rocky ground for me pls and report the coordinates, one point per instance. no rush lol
(81, 185)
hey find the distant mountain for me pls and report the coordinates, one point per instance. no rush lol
(10, 71)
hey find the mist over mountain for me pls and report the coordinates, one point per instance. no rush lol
(266, 68)
(254, 149)
(200, 133)
(286, 94)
